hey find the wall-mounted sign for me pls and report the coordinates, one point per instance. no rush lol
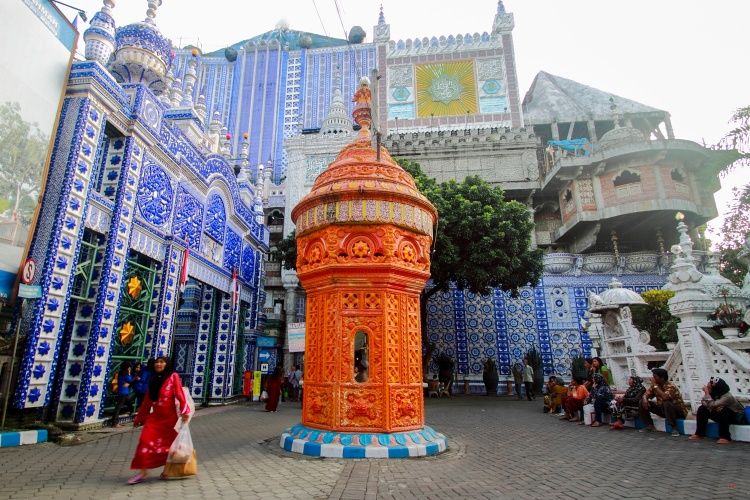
(295, 334)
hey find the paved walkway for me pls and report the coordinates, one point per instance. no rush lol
(500, 448)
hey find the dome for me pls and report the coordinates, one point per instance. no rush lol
(337, 121)
(305, 41)
(142, 53)
(617, 296)
(357, 34)
(231, 54)
(621, 135)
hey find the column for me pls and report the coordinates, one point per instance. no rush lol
(290, 282)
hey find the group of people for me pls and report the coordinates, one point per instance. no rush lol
(132, 385)
(523, 373)
(662, 398)
(280, 387)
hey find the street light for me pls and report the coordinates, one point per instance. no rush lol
(81, 12)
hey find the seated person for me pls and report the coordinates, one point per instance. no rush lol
(599, 367)
(719, 405)
(600, 396)
(663, 398)
(555, 393)
(626, 405)
(577, 394)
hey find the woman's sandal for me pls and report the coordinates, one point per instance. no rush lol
(163, 476)
(138, 478)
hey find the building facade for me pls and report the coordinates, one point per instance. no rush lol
(148, 242)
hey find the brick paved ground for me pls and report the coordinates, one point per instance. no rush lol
(500, 448)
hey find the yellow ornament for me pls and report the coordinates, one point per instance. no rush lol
(127, 332)
(134, 287)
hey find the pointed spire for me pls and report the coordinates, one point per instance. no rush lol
(168, 81)
(200, 107)
(500, 7)
(176, 92)
(504, 23)
(215, 126)
(382, 30)
(244, 174)
(190, 79)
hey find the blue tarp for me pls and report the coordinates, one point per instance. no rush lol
(579, 147)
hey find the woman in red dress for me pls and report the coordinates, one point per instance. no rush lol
(273, 388)
(164, 388)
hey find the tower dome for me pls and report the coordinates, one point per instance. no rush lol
(142, 53)
(337, 121)
(100, 36)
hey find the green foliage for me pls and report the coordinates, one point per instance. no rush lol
(577, 367)
(482, 240)
(23, 149)
(286, 251)
(655, 318)
(734, 231)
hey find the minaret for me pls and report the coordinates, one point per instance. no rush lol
(364, 234)
(504, 22)
(337, 121)
(382, 30)
(100, 36)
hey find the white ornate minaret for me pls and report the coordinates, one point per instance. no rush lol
(382, 30)
(100, 36)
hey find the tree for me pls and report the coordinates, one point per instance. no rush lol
(286, 251)
(23, 148)
(736, 226)
(483, 241)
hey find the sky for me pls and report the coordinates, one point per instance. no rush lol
(687, 57)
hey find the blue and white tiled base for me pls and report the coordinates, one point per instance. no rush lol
(8, 439)
(318, 443)
(687, 427)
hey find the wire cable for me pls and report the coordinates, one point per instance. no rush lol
(320, 18)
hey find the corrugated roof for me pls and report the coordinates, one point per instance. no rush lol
(555, 98)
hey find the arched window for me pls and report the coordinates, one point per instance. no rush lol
(361, 357)
(680, 184)
(627, 184)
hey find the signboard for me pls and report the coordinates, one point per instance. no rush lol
(264, 368)
(28, 271)
(295, 333)
(264, 356)
(262, 341)
(29, 291)
(256, 385)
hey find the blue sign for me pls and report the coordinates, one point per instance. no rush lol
(266, 341)
(264, 356)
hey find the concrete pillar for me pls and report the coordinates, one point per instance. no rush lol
(290, 282)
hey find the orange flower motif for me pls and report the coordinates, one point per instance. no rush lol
(134, 286)
(360, 249)
(127, 332)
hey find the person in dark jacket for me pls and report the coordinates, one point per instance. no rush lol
(124, 392)
(141, 376)
(626, 405)
(722, 407)
(600, 396)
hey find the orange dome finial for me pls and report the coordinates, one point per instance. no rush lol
(363, 106)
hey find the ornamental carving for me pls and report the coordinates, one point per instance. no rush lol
(406, 409)
(232, 247)
(216, 218)
(248, 263)
(354, 244)
(490, 69)
(400, 76)
(361, 408)
(188, 218)
(155, 195)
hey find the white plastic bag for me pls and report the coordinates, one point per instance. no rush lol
(190, 404)
(588, 414)
(182, 447)
(264, 396)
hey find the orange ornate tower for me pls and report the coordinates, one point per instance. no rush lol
(364, 234)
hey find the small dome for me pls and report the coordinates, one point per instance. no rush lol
(618, 296)
(621, 135)
(305, 41)
(142, 55)
(357, 34)
(230, 54)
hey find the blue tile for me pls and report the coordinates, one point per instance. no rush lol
(432, 449)
(354, 452)
(398, 452)
(10, 439)
(311, 449)
(288, 443)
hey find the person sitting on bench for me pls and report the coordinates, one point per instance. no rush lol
(663, 398)
(600, 396)
(719, 405)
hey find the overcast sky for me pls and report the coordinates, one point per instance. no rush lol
(688, 57)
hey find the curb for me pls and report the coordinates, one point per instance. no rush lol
(8, 439)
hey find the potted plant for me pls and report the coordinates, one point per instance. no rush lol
(656, 318)
(490, 376)
(727, 316)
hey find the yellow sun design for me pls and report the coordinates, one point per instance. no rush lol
(446, 89)
(127, 332)
(134, 287)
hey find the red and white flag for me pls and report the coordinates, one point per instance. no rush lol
(184, 270)
(235, 288)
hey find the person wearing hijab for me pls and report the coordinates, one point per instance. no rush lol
(722, 407)
(626, 405)
(164, 391)
(600, 396)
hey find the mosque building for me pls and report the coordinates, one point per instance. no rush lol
(174, 172)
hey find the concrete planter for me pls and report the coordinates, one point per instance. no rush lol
(598, 263)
